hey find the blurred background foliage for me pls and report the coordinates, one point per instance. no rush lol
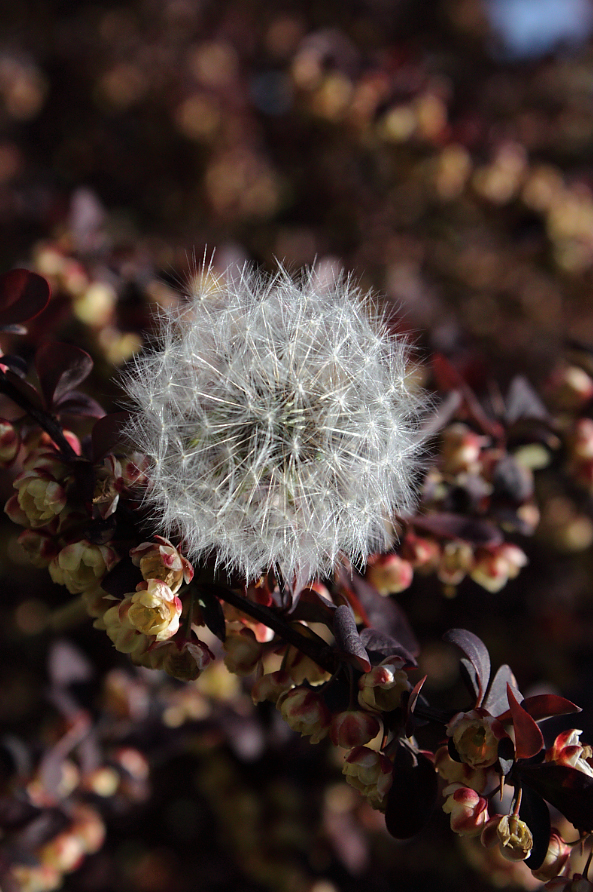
(439, 149)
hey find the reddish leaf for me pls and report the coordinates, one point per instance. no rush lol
(477, 655)
(61, 368)
(380, 646)
(78, 403)
(385, 614)
(348, 639)
(529, 740)
(544, 706)
(24, 390)
(107, 434)
(23, 295)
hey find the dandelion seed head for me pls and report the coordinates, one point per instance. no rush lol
(278, 423)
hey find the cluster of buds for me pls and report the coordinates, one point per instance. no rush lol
(571, 392)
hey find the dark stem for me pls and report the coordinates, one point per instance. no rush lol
(43, 419)
(311, 644)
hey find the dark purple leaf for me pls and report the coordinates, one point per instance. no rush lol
(122, 578)
(497, 700)
(412, 701)
(455, 526)
(107, 434)
(15, 813)
(348, 639)
(29, 396)
(313, 607)
(16, 363)
(523, 402)
(536, 814)
(384, 614)
(40, 830)
(61, 368)
(380, 646)
(544, 706)
(78, 403)
(566, 788)
(529, 740)
(23, 295)
(477, 654)
(213, 613)
(413, 794)
(512, 481)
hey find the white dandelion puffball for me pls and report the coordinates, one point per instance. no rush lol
(278, 424)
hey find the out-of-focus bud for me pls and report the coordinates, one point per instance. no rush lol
(10, 443)
(389, 573)
(271, 686)
(88, 827)
(381, 689)
(306, 712)
(476, 735)
(461, 449)
(493, 567)
(423, 554)
(40, 496)
(81, 565)
(39, 547)
(185, 661)
(154, 610)
(65, 852)
(556, 858)
(468, 810)
(135, 469)
(516, 841)
(459, 772)
(369, 772)
(161, 560)
(353, 728)
(570, 388)
(568, 750)
(581, 440)
(36, 878)
(457, 559)
(243, 652)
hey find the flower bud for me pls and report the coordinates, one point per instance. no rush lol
(423, 554)
(353, 728)
(161, 560)
(459, 772)
(271, 686)
(125, 637)
(571, 387)
(81, 565)
(468, 810)
(516, 841)
(243, 652)
(36, 877)
(88, 827)
(39, 547)
(493, 567)
(568, 750)
(185, 661)
(10, 443)
(305, 711)
(555, 860)
(370, 772)
(461, 449)
(581, 440)
(389, 573)
(457, 559)
(154, 610)
(476, 735)
(65, 852)
(40, 496)
(381, 689)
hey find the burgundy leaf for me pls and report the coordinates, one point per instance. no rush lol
(23, 295)
(61, 368)
(78, 403)
(544, 706)
(313, 607)
(348, 639)
(445, 525)
(107, 434)
(25, 391)
(477, 655)
(536, 814)
(413, 794)
(385, 614)
(380, 646)
(566, 788)
(213, 613)
(411, 704)
(497, 700)
(528, 738)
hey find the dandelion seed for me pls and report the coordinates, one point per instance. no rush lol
(278, 424)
